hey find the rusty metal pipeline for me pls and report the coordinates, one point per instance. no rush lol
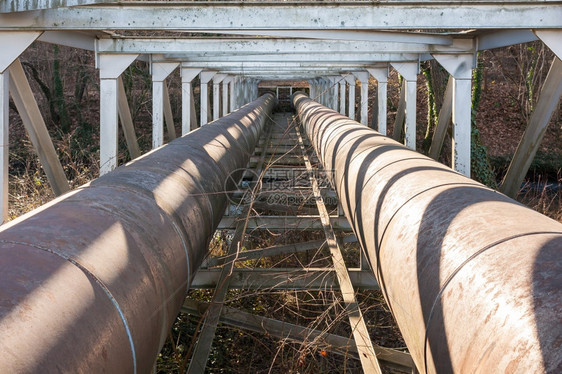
(473, 278)
(92, 281)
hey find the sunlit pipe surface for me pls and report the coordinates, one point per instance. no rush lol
(91, 282)
(473, 278)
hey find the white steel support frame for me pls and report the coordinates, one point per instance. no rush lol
(110, 67)
(188, 116)
(460, 68)
(342, 96)
(160, 71)
(381, 75)
(363, 77)
(350, 79)
(409, 71)
(205, 77)
(217, 79)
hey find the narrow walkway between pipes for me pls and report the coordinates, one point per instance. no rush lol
(284, 232)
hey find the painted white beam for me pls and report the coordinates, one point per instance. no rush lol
(503, 38)
(74, 39)
(110, 68)
(187, 75)
(205, 77)
(381, 75)
(13, 44)
(391, 15)
(460, 68)
(4, 142)
(325, 57)
(351, 35)
(409, 71)
(234, 46)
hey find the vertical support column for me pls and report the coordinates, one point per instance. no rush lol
(335, 92)
(160, 71)
(110, 67)
(4, 141)
(409, 71)
(363, 77)
(205, 77)
(342, 96)
(187, 76)
(460, 68)
(312, 89)
(350, 78)
(232, 94)
(217, 79)
(325, 93)
(381, 75)
(225, 83)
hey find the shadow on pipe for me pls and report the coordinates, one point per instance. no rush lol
(92, 281)
(473, 278)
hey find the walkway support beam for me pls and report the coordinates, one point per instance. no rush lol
(474, 276)
(96, 277)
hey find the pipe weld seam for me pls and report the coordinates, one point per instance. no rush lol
(463, 264)
(97, 280)
(379, 243)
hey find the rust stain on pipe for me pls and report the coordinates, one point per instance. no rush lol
(92, 281)
(473, 278)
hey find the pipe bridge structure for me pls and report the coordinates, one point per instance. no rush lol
(233, 194)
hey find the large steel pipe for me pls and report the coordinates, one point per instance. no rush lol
(92, 281)
(473, 278)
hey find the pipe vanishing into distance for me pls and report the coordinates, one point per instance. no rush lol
(92, 281)
(473, 278)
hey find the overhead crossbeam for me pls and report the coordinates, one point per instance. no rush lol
(197, 16)
(233, 46)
